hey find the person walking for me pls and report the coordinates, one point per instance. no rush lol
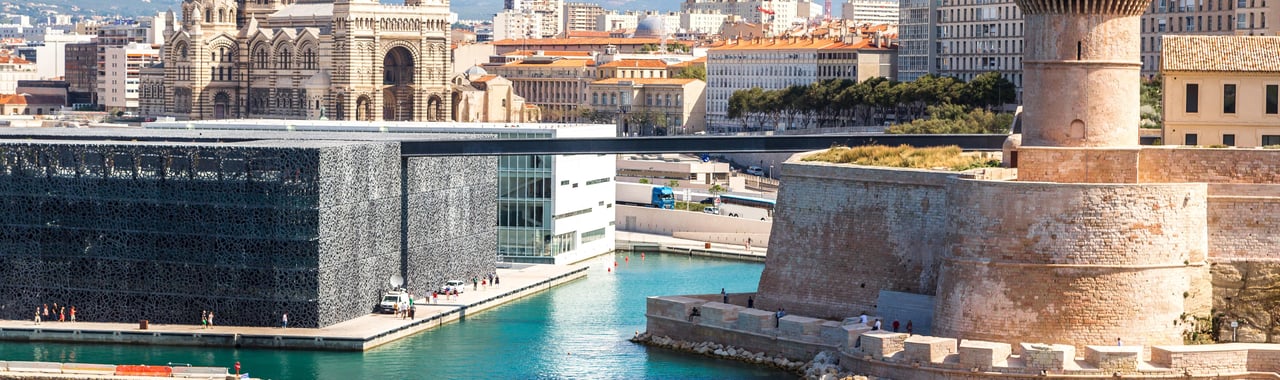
(46, 310)
(751, 302)
(204, 319)
(73, 314)
(37, 315)
(895, 325)
(284, 320)
(863, 318)
(908, 327)
(724, 295)
(211, 319)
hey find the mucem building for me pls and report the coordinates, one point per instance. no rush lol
(127, 225)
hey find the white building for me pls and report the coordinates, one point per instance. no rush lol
(702, 22)
(118, 86)
(551, 209)
(777, 15)
(581, 16)
(778, 63)
(513, 24)
(614, 21)
(874, 12)
(13, 69)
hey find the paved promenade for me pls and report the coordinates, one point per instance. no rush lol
(362, 333)
(667, 244)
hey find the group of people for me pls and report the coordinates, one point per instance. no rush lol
(877, 325)
(405, 312)
(206, 319)
(489, 279)
(59, 312)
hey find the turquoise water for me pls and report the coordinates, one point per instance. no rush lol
(574, 331)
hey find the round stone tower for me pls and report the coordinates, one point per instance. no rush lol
(1081, 71)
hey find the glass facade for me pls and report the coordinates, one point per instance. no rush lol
(524, 203)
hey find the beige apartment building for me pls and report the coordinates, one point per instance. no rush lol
(1221, 90)
(632, 68)
(555, 84)
(652, 106)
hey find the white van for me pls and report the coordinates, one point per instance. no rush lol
(755, 170)
(711, 210)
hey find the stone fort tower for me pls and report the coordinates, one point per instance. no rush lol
(1081, 68)
(1076, 249)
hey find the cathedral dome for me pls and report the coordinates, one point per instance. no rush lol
(475, 72)
(651, 27)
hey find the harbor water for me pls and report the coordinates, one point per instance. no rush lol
(577, 330)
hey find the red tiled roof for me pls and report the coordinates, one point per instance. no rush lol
(1221, 53)
(637, 63)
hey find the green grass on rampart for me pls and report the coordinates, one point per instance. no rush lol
(904, 156)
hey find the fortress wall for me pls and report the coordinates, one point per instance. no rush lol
(1078, 165)
(1209, 165)
(847, 232)
(1070, 263)
(1243, 228)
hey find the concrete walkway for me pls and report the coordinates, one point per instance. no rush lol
(662, 243)
(361, 333)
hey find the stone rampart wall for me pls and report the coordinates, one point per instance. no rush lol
(1209, 165)
(846, 232)
(1078, 263)
(902, 356)
(1078, 165)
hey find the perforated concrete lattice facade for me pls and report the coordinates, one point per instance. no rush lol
(248, 226)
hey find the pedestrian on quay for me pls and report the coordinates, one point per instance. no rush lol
(876, 326)
(435, 296)
(863, 318)
(495, 280)
(895, 325)
(724, 295)
(284, 320)
(475, 283)
(204, 319)
(751, 302)
(37, 315)
(46, 310)
(62, 315)
(908, 327)
(210, 318)
(73, 314)
(396, 309)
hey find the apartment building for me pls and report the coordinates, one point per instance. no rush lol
(581, 16)
(1221, 90)
(514, 24)
(872, 12)
(702, 22)
(777, 63)
(632, 68)
(13, 69)
(963, 38)
(555, 84)
(777, 16)
(651, 106)
(121, 75)
(82, 73)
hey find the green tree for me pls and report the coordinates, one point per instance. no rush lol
(716, 189)
(990, 90)
(953, 119)
(693, 72)
(644, 181)
(1152, 103)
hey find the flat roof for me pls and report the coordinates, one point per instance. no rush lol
(406, 127)
(210, 138)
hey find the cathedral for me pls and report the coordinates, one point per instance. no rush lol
(309, 59)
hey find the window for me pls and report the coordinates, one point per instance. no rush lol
(1191, 139)
(1229, 140)
(1228, 98)
(1193, 98)
(1273, 93)
(1269, 140)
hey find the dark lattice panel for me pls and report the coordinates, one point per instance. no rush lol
(160, 232)
(452, 218)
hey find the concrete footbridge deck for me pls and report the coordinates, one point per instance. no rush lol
(358, 334)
